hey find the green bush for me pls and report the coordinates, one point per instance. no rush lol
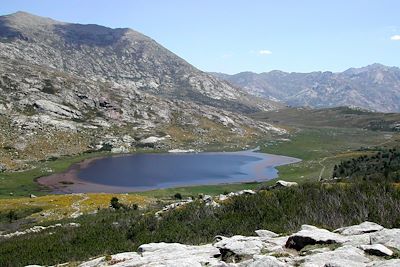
(178, 196)
(282, 210)
(114, 203)
(382, 166)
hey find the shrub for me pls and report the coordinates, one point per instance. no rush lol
(178, 196)
(114, 203)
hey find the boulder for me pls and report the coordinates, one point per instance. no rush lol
(266, 234)
(210, 201)
(120, 149)
(213, 204)
(161, 254)
(365, 227)
(238, 247)
(72, 224)
(387, 237)
(245, 192)
(311, 235)
(174, 254)
(121, 258)
(151, 140)
(207, 198)
(282, 183)
(358, 240)
(346, 256)
(222, 197)
(32, 196)
(387, 263)
(266, 261)
(377, 250)
(2, 168)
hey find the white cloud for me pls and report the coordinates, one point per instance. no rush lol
(395, 37)
(264, 52)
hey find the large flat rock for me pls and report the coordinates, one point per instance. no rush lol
(311, 235)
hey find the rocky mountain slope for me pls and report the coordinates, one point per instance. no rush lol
(68, 88)
(366, 244)
(375, 87)
(119, 55)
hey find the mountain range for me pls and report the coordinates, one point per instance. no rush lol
(375, 87)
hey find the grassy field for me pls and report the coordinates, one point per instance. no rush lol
(43, 210)
(18, 184)
(56, 207)
(322, 148)
(340, 117)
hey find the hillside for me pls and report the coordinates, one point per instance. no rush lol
(332, 117)
(118, 55)
(374, 87)
(68, 88)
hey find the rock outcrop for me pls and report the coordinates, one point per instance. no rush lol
(311, 235)
(365, 227)
(319, 247)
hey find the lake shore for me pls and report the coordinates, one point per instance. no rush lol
(69, 182)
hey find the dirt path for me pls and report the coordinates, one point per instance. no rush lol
(323, 168)
(77, 206)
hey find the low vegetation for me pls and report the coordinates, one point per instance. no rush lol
(283, 210)
(384, 165)
(339, 117)
(280, 210)
(323, 148)
(55, 207)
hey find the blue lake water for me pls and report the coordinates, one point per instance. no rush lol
(148, 171)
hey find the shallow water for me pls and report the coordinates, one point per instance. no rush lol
(148, 171)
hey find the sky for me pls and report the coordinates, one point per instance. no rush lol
(232, 36)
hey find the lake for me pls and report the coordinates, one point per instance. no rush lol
(150, 171)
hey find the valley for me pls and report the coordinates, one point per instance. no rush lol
(110, 143)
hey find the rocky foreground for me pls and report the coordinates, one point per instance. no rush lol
(366, 244)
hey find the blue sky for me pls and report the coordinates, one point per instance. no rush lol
(238, 35)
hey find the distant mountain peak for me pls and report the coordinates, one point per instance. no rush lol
(28, 19)
(373, 87)
(368, 68)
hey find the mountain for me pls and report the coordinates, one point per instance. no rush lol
(120, 55)
(67, 88)
(374, 87)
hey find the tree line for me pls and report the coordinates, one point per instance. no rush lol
(381, 166)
